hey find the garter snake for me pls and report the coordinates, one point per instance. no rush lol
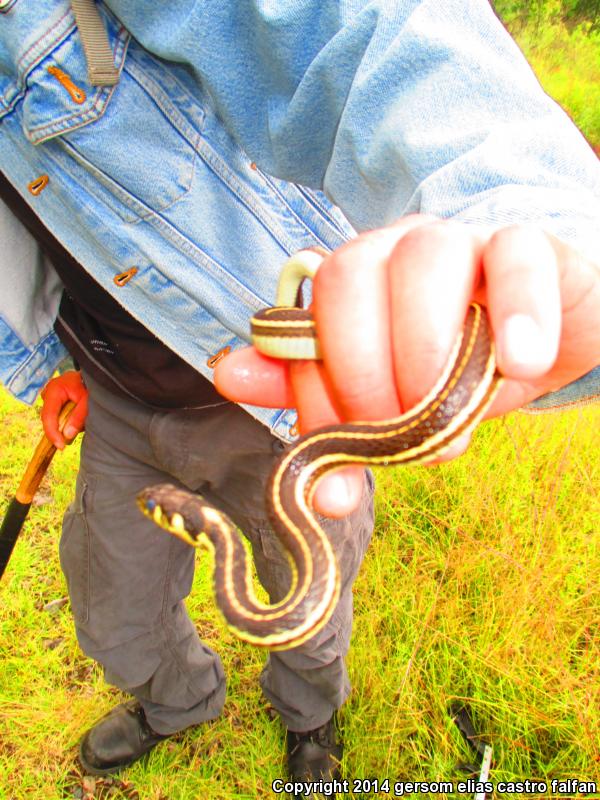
(455, 404)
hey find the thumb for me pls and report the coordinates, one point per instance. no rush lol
(76, 420)
(337, 493)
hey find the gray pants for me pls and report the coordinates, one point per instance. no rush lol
(127, 578)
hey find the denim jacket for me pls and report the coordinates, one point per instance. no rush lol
(243, 130)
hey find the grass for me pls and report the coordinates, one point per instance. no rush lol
(566, 60)
(481, 585)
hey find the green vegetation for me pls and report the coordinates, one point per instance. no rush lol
(481, 584)
(572, 12)
(561, 40)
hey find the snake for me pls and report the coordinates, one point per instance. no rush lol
(457, 402)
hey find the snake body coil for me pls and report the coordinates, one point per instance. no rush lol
(454, 406)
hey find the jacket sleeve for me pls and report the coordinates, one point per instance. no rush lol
(389, 106)
(31, 292)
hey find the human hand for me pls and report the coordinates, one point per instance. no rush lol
(68, 386)
(388, 307)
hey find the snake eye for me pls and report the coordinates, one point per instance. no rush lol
(150, 504)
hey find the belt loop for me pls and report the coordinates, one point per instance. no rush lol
(98, 55)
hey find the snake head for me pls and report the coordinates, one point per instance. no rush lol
(176, 510)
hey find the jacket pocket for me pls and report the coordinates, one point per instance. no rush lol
(129, 145)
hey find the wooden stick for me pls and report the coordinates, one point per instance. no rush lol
(42, 456)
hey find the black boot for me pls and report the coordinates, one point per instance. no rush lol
(117, 740)
(315, 755)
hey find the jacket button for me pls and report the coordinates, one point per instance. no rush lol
(75, 92)
(124, 277)
(214, 360)
(38, 185)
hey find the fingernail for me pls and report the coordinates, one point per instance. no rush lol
(333, 497)
(69, 432)
(523, 343)
(338, 490)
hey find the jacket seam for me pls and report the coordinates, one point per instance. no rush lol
(160, 98)
(293, 213)
(138, 209)
(191, 249)
(93, 113)
(73, 121)
(223, 277)
(327, 217)
(9, 107)
(228, 178)
(23, 70)
(32, 354)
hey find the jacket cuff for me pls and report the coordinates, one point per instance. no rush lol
(583, 391)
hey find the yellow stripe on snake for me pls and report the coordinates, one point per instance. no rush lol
(455, 405)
